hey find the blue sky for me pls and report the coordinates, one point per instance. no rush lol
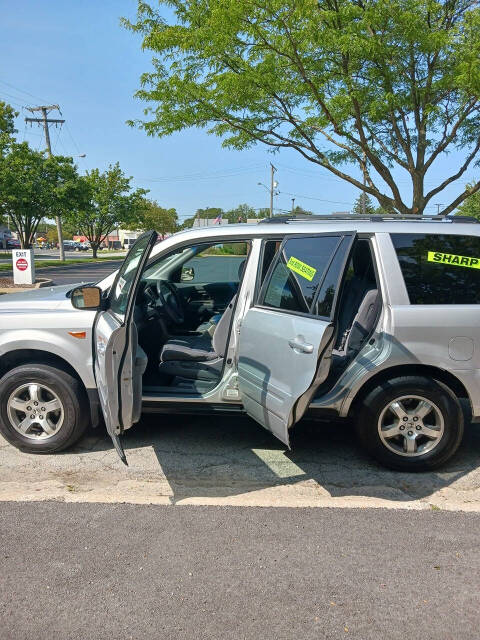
(75, 53)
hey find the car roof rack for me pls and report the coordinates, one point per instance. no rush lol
(368, 218)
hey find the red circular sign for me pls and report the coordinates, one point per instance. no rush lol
(22, 264)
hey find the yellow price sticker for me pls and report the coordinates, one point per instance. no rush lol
(303, 269)
(452, 259)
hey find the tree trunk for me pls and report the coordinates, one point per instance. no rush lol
(418, 203)
(94, 249)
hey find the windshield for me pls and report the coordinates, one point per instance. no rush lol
(126, 276)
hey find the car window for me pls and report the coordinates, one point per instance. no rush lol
(299, 270)
(324, 302)
(217, 263)
(270, 249)
(439, 269)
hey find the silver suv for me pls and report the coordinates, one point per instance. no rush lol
(371, 318)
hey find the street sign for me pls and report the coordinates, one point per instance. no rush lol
(23, 266)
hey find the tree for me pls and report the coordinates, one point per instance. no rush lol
(300, 211)
(471, 207)
(241, 213)
(34, 186)
(363, 204)
(209, 213)
(7, 126)
(377, 85)
(108, 203)
(152, 216)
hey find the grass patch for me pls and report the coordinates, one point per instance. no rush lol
(57, 263)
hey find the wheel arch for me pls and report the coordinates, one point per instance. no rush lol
(447, 378)
(18, 357)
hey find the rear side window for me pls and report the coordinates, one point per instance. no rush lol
(439, 269)
(299, 271)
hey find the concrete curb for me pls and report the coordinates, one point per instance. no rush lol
(41, 282)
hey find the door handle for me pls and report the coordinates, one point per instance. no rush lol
(298, 345)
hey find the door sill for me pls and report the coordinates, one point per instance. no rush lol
(151, 404)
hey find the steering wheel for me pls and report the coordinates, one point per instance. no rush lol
(170, 301)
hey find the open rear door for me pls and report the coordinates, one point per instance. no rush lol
(286, 339)
(119, 360)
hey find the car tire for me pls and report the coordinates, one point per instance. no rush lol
(27, 390)
(394, 423)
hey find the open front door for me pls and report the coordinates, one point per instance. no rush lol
(286, 340)
(119, 360)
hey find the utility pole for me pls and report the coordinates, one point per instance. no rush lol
(438, 205)
(293, 206)
(45, 121)
(272, 187)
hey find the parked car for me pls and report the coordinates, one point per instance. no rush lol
(371, 318)
(12, 243)
(82, 246)
(69, 245)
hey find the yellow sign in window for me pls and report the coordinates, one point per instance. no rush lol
(452, 259)
(303, 269)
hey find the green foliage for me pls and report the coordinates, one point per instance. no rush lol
(7, 127)
(34, 186)
(240, 214)
(363, 201)
(108, 203)
(300, 211)
(152, 216)
(471, 206)
(375, 85)
(232, 249)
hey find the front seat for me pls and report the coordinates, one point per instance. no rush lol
(198, 357)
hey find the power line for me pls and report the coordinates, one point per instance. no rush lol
(314, 198)
(12, 102)
(22, 91)
(205, 176)
(72, 139)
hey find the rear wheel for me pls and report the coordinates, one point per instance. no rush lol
(411, 423)
(42, 409)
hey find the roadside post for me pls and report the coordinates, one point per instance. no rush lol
(23, 266)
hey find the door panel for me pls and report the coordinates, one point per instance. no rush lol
(278, 360)
(286, 342)
(119, 360)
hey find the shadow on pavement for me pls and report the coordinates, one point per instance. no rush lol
(226, 456)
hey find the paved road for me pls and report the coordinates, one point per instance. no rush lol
(92, 272)
(132, 571)
(69, 274)
(52, 254)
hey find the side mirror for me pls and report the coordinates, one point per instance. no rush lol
(188, 274)
(88, 298)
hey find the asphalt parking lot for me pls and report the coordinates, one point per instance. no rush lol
(76, 571)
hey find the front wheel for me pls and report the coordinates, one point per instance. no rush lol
(411, 423)
(42, 409)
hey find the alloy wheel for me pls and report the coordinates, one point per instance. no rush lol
(411, 426)
(35, 411)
